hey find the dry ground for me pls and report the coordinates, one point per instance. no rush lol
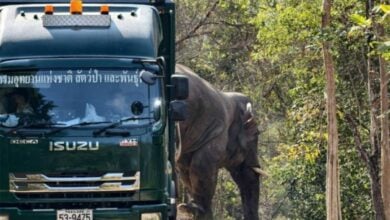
(183, 216)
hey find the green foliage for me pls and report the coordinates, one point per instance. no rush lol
(385, 8)
(360, 20)
(227, 202)
(379, 44)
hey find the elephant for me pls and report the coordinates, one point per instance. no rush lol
(220, 131)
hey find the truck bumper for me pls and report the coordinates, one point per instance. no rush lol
(133, 213)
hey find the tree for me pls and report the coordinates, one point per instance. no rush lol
(384, 120)
(378, 161)
(333, 206)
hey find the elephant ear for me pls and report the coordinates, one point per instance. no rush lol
(248, 137)
(249, 133)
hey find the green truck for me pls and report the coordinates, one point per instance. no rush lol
(88, 104)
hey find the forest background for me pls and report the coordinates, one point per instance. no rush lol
(271, 51)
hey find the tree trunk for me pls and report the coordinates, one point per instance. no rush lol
(333, 206)
(385, 148)
(373, 163)
(384, 119)
(376, 189)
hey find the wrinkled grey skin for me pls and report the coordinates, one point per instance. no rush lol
(220, 131)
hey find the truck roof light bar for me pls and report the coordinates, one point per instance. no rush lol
(76, 7)
(49, 9)
(104, 9)
(7, 2)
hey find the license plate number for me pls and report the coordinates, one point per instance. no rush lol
(75, 214)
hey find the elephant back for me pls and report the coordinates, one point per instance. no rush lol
(207, 113)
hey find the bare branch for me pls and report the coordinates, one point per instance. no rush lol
(201, 23)
(358, 141)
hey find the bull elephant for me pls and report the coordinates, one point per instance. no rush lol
(219, 132)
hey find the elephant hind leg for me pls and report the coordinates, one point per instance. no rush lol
(249, 185)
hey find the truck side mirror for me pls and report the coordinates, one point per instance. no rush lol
(178, 110)
(148, 77)
(180, 87)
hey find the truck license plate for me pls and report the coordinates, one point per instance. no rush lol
(75, 214)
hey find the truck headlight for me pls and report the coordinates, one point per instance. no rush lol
(150, 216)
(4, 217)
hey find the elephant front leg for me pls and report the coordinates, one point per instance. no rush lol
(182, 168)
(249, 184)
(203, 178)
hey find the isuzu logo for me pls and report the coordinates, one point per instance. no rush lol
(73, 146)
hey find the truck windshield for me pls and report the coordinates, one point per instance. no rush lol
(65, 97)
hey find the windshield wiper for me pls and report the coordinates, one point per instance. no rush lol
(33, 125)
(75, 125)
(118, 123)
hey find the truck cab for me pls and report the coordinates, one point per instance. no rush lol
(85, 127)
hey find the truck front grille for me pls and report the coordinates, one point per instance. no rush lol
(41, 183)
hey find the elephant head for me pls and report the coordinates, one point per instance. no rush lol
(220, 131)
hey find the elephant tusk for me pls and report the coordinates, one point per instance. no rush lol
(249, 107)
(260, 171)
